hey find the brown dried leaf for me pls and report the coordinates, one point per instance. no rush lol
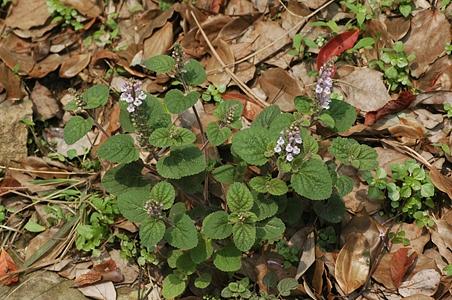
(28, 13)
(425, 282)
(402, 102)
(438, 76)
(216, 74)
(159, 42)
(85, 7)
(75, 64)
(7, 265)
(103, 291)
(280, 88)
(45, 105)
(418, 237)
(11, 83)
(308, 255)
(441, 182)
(431, 25)
(397, 27)
(45, 66)
(400, 263)
(382, 273)
(365, 89)
(353, 264)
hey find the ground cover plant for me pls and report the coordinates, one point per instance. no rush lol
(226, 149)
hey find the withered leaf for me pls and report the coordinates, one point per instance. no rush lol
(425, 282)
(7, 266)
(28, 13)
(400, 263)
(75, 64)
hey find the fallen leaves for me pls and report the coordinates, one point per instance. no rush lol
(399, 265)
(27, 14)
(7, 266)
(336, 46)
(425, 282)
(402, 102)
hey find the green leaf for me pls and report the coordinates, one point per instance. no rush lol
(313, 180)
(160, 64)
(127, 178)
(264, 207)
(224, 174)
(164, 193)
(119, 149)
(96, 96)
(344, 185)
(273, 186)
(181, 162)
(217, 135)
(216, 225)
(366, 42)
(131, 205)
(266, 117)
(203, 251)
(173, 286)
(228, 259)
(76, 128)
(350, 152)
(331, 210)
(344, 115)
(33, 226)
(185, 264)
(239, 198)
(177, 102)
(152, 232)
(194, 73)
(304, 105)
(286, 285)
(251, 145)
(230, 112)
(244, 236)
(405, 10)
(271, 230)
(182, 234)
(203, 280)
(310, 145)
(327, 120)
(172, 136)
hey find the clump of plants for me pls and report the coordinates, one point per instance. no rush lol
(409, 190)
(66, 15)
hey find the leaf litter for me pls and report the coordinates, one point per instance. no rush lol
(43, 58)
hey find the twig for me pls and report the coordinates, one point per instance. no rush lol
(234, 77)
(46, 172)
(97, 124)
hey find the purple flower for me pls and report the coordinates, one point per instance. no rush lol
(132, 93)
(324, 84)
(290, 138)
(277, 149)
(289, 157)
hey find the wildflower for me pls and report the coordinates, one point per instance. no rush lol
(289, 157)
(277, 149)
(132, 93)
(288, 140)
(153, 208)
(324, 84)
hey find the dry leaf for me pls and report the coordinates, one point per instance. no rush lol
(402, 102)
(441, 182)
(418, 237)
(45, 66)
(425, 282)
(399, 265)
(397, 27)
(100, 291)
(336, 46)
(28, 13)
(7, 265)
(73, 65)
(105, 271)
(353, 264)
(365, 89)
(216, 74)
(159, 42)
(431, 26)
(11, 83)
(45, 105)
(307, 256)
(85, 7)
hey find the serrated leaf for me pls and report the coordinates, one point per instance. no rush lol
(266, 117)
(131, 205)
(203, 251)
(96, 96)
(203, 280)
(239, 198)
(160, 63)
(244, 236)
(310, 145)
(344, 115)
(259, 184)
(264, 207)
(126, 178)
(230, 112)
(217, 135)
(164, 193)
(182, 234)
(286, 285)
(273, 186)
(172, 136)
(350, 152)
(76, 128)
(185, 264)
(271, 230)
(181, 162)
(216, 226)
(119, 149)
(194, 73)
(224, 174)
(177, 102)
(152, 232)
(173, 286)
(228, 259)
(344, 185)
(313, 180)
(251, 145)
(331, 210)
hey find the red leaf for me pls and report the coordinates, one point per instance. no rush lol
(336, 46)
(105, 271)
(216, 5)
(400, 263)
(7, 266)
(250, 109)
(403, 101)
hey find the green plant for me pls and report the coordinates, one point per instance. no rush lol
(291, 255)
(399, 238)
(67, 15)
(410, 191)
(361, 11)
(448, 49)
(299, 43)
(326, 238)
(213, 92)
(405, 7)
(2, 213)
(107, 33)
(394, 63)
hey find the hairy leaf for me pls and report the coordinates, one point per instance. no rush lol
(118, 149)
(76, 128)
(313, 180)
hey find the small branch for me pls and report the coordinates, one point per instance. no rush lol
(97, 124)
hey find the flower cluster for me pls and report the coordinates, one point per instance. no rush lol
(153, 208)
(288, 143)
(324, 84)
(132, 93)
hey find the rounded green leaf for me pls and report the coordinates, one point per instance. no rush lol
(259, 184)
(119, 149)
(331, 210)
(239, 197)
(173, 286)
(216, 226)
(164, 193)
(182, 234)
(131, 205)
(181, 162)
(76, 128)
(244, 236)
(313, 180)
(286, 285)
(344, 115)
(264, 207)
(203, 251)
(125, 179)
(194, 73)
(251, 145)
(96, 96)
(173, 136)
(224, 174)
(228, 259)
(271, 230)
(177, 102)
(277, 187)
(344, 185)
(217, 135)
(160, 63)
(203, 280)
(152, 232)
